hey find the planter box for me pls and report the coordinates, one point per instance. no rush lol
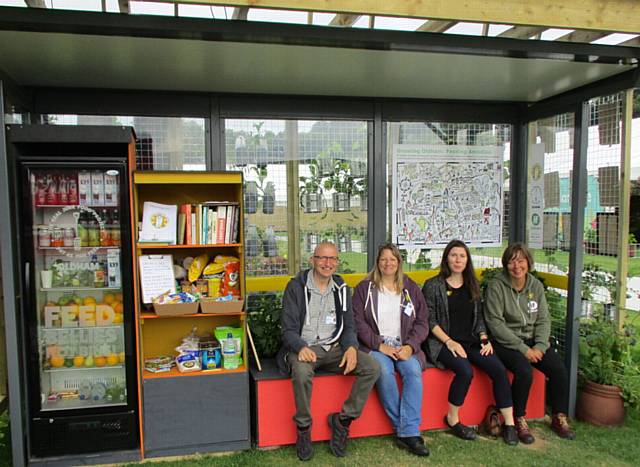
(176, 309)
(312, 202)
(341, 202)
(214, 306)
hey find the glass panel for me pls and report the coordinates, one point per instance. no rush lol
(162, 143)
(434, 138)
(78, 289)
(328, 161)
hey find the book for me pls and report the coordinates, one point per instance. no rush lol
(193, 228)
(228, 224)
(221, 224)
(182, 221)
(159, 222)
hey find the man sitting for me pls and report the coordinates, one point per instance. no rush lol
(318, 332)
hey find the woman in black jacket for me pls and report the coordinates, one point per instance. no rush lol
(458, 338)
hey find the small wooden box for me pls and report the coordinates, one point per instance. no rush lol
(213, 306)
(176, 309)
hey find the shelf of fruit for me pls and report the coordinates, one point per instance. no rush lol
(66, 328)
(80, 362)
(83, 368)
(78, 288)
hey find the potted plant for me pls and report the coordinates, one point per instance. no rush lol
(269, 244)
(269, 198)
(605, 354)
(251, 241)
(344, 185)
(633, 245)
(263, 312)
(311, 189)
(362, 190)
(251, 197)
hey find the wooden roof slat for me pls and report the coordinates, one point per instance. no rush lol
(436, 25)
(522, 32)
(344, 20)
(123, 5)
(35, 3)
(635, 42)
(582, 36)
(240, 13)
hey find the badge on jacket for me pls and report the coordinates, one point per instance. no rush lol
(408, 309)
(533, 306)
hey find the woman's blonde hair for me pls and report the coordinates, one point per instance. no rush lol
(375, 275)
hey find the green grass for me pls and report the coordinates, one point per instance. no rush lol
(593, 446)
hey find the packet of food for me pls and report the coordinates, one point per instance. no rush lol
(230, 284)
(197, 266)
(221, 259)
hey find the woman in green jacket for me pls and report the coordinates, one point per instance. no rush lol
(516, 313)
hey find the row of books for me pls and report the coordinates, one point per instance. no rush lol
(208, 223)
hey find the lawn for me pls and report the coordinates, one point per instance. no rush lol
(593, 446)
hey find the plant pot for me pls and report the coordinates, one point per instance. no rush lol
(600, 405)
(251, 198)
(268, 203)
(343, 242)
(312, 202)
(269, 247)
(358, 169)
(311, 241)
(363, 202)
(326, 167)
(341, 202)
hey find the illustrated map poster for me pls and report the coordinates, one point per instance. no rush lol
(442, 193)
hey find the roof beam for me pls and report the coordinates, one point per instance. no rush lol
(123, 5)
(612, 15)
(434, 25)
(35, 3)
(635, 42)
(345, 21)
(240, 13)
(582, 36)
(522, 32)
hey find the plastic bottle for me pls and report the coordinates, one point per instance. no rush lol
(229, 355)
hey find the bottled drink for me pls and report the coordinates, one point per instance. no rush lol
(94, 233)
(229, 353)
(83, 229)
(105, 229)
(98, 272)
(115, 228)
(72, 191)
(63, 196)
(41, 190)
(52, 190)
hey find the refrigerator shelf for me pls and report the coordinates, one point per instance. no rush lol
(75, 289)
(82, 248)
(82, 368)
(74, 205)
(67, 404)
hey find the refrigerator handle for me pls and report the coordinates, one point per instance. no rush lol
(27, 275)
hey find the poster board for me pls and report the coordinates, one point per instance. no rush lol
(443, 192)
(156, 276)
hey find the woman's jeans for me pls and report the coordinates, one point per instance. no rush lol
(404, 410)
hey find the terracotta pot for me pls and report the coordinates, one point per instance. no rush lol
(600, 405)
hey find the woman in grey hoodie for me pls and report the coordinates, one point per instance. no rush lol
(517, 315)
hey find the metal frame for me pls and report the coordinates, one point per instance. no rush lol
(8, 246)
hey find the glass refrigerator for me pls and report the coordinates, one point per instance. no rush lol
(78, 304)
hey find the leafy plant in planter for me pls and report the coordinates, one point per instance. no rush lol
(633, 245)
(344, 185)
(264, 310)
(609, 372)
(362, 190)
(311, 189)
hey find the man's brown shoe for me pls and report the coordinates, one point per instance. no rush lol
(560, 425)
(524, 434)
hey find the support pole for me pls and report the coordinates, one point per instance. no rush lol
(625, 206)
(578, 202)
(293, 194)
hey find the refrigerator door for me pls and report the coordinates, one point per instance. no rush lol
(77, 309)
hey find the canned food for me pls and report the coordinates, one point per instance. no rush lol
(69, 235)
(44, 236)
(57, 237)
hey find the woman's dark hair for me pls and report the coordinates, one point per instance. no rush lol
(468, 274)
(513, 250)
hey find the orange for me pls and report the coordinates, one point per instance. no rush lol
(108, 298)
(119, 297)
(121, 357)
(117, 318)
(88, 301)
(99, 361)
(56, 361)
(112, 359)
(118, 307)
(78, 360)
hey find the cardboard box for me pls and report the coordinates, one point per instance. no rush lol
(176, 309)
(213, 306)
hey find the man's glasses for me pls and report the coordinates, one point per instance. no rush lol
(330, 259)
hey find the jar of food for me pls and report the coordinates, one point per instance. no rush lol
(69, 235)
(57, 236)
(44, 236)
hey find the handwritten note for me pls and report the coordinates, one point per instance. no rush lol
(156, 276)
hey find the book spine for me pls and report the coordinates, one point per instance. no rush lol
(192, 232)
(205, 225)
(220, 226)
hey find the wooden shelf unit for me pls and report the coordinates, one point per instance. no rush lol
(159, 335)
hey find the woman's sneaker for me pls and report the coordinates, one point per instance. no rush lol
(524, 434)
(560, 425)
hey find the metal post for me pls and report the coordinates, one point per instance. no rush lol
(518, 182)
(293, 194)
(377, 175)
(578, 203)
(623, 212)
(10, 286)
(214, 143)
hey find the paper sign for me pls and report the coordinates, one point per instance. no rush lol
(156, 276)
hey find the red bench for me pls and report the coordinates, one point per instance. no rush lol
(273, 404)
